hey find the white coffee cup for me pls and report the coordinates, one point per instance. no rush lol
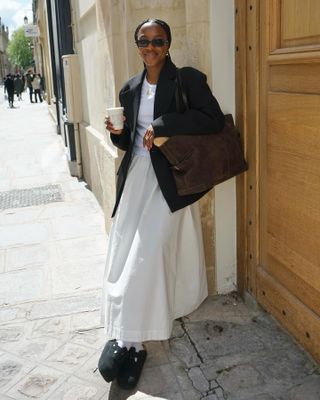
(116, 117)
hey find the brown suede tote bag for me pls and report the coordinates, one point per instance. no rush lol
(199, 162)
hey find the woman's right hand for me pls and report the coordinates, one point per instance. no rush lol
(110, 127)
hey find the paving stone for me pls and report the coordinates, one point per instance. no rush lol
(69, 357)
(198, 379)
(94, 338)
(64, 306)
(23, 234)
(38, 384)
(180, 349)
(73, 226)
(40, 179)
(156, 354)
(12, 370)
(89, 371)
(168, 395)
(288, 366)
(8, 314)
(185, 383)
(86, 321)
(270, 333)
(216, 338)
(76, 389)
(83, 197)
(29, 256)
(21, 286)
(308, 390)
(159, 379)
(78, 248)
(54, 327)
(66, 209)
(2, 260)
(239, 378)
(228, 308)
(177, 330)
(210, 397)
(220, 394)
(34, 349)
(11, 333)
(68, 278)
(213, 367)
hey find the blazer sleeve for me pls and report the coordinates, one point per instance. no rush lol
(204, 115)
(122, 141)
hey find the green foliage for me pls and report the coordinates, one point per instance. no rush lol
(19, 51)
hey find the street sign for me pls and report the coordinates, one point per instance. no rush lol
(31, 30)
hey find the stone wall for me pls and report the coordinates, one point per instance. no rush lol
(43, 58)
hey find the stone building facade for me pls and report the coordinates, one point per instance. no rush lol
(102, 34)
(4, 41)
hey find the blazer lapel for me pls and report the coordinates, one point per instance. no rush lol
(166, 89)
(136, 88)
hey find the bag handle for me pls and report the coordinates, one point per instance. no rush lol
(181, 97)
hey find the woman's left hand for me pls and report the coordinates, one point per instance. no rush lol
(148, 138)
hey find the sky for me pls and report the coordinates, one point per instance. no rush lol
(12, 13)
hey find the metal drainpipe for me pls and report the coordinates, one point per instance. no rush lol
(78, 150)
(76, 126)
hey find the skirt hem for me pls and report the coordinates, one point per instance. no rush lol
(144, 336)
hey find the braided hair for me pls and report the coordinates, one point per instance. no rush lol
(163, 25)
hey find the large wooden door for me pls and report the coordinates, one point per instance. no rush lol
(282, 136)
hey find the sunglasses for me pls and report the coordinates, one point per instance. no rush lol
(154, 42)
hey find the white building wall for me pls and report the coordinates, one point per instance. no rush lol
(223, 78)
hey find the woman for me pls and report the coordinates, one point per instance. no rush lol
(36, 85)
(155, 269)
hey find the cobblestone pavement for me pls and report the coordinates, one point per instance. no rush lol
(51, 266)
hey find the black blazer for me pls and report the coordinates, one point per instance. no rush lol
(204, 116)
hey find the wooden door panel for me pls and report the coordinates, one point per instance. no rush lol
(293, 17)
(295, 78)
(295, 273)
(292, 313)
(291, 226)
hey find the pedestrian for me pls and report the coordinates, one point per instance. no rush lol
(155, 268)
(18, 86)
(36, 84)
(29, 79)
(9, 87)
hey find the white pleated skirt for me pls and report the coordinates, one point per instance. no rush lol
(155, 268)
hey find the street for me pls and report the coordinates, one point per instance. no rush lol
(52, 255)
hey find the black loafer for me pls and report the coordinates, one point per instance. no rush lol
(111, 359)
(130, 371)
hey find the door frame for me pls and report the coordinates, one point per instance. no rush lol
(247, 59)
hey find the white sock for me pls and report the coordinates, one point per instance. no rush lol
(138, 345)
(122, 343)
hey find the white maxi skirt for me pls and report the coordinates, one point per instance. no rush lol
(155, 268)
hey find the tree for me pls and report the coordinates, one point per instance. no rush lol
(19, 49)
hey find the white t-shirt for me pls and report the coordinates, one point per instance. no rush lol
(145, 116)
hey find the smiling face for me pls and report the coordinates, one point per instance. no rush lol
(152, 55)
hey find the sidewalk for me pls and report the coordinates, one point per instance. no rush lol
(52, 253)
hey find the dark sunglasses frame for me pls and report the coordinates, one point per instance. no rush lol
(155, 42)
